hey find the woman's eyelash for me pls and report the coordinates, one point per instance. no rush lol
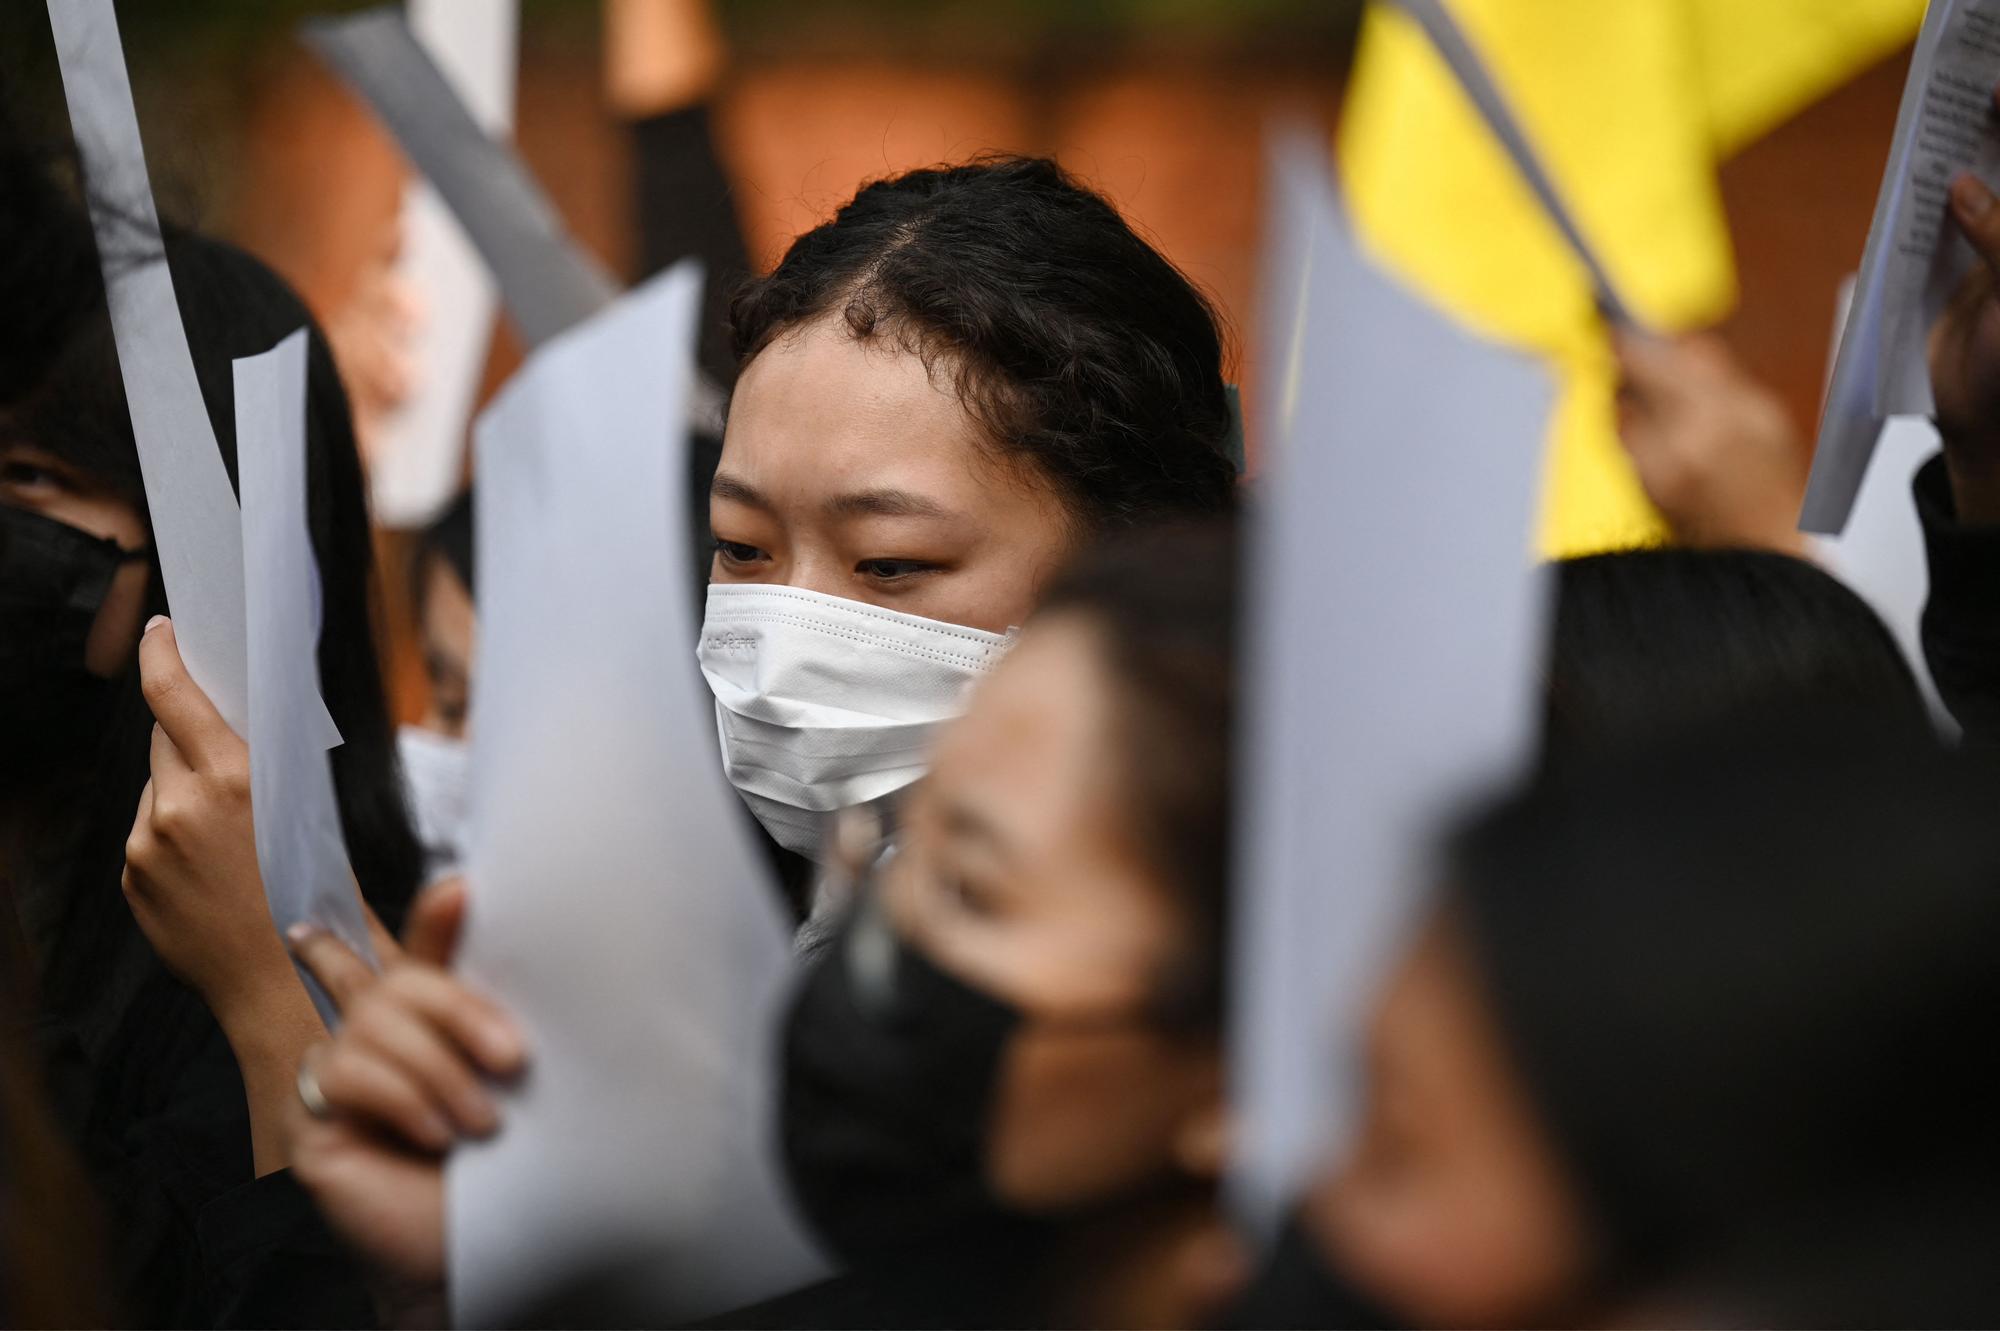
(891, 569)
(28, 473)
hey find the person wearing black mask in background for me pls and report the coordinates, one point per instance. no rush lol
(1002, 1094)
(1695, 1038)
(166, 1068)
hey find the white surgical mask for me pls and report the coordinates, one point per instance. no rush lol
(434, 782)
(824, 703)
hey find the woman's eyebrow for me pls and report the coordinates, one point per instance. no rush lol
(885, 504)
(738, 490)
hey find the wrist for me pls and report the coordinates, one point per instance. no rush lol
(267, 1011)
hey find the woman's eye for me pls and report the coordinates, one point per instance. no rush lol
(735, 552)
(21, 475)
(893, 570)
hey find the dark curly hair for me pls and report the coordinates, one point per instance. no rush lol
(1072, 341)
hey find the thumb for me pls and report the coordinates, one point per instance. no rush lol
(184, 712)
(436, 920)
(1973, 208)
(1650, 367)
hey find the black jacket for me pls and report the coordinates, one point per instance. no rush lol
(1961, 627)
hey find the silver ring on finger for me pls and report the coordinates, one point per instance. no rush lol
(310, 1095)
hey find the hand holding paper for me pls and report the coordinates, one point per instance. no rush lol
(1714, 448)
(373, 1160)
(191, 865)
(1915, 259)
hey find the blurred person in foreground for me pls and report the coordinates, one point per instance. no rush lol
(1002, 1079)
(1647, 647)
(1694, 1038)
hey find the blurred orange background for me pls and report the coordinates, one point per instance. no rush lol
(1170, 129)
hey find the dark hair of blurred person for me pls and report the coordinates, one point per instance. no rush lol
(1649, 646)
(1651, 643)
(1696, 1039)
(141, 1071)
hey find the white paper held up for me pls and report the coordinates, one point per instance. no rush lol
(1881, 553)
(194, 519)
(300, 850)
(1913, 260)
(1393, 646)
(415, 468)
(619, 909)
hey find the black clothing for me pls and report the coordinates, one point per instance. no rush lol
(1961, 627)
(1298, 1288)
(684, 209)
(162, 1126)
(951, 1285)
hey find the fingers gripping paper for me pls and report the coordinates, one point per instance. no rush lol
(193, 512)
(417, 466)
(1913, 261)
(619, 909)
(300, 852)
(1395, 635)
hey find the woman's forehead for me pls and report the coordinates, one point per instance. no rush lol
(822, 410)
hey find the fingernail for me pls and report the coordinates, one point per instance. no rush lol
(503, 1046)
(476, 1111)
(300, 934)
(1971, 197)
(154, 622)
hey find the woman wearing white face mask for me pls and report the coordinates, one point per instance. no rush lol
(433, 753)
(943, 391)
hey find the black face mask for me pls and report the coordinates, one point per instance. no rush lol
(53, 581)
(1297, 1288)
(890, 1069)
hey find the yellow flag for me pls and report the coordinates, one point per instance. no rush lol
(1629, 103)
(1763, 61)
